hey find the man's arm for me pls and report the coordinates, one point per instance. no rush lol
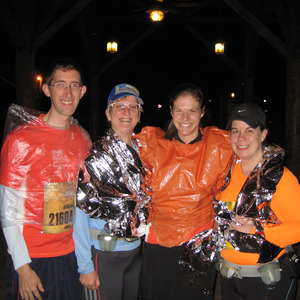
(12, 224)
(29, 282)
(16, 245)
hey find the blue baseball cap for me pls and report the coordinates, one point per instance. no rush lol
(124, 89)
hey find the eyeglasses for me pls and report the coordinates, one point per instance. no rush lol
(75, 86)
(119, 106)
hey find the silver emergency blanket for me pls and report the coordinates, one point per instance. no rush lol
(118, 190)
(254, 202)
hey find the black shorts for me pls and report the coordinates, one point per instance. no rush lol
(58, 275)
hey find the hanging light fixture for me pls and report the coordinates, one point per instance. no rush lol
(156, 15)
(219, 48)
(112, 47)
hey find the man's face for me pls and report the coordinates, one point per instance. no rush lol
(65, 93)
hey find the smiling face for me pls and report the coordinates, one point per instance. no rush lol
(246, 142)
(64, 100)
(123, 120)
(187, 113)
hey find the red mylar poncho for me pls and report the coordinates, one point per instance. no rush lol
(185, 178)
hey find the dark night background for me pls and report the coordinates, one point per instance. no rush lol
(170, 55)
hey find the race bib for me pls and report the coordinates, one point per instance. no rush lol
(59, 206)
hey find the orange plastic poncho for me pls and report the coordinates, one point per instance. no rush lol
(185, 178)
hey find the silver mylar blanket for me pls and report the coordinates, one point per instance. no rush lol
(117, 190)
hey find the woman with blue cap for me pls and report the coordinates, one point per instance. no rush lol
(113, 204)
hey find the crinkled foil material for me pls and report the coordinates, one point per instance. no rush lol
(254, 202)
(195, 262)
(118, 190)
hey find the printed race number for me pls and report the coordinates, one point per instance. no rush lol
(59, 206)
(61, 218)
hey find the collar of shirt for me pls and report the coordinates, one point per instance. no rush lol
(197, 139)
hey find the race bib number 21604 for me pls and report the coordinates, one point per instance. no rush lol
(59, 206)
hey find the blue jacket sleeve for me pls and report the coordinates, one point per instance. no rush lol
(81, 236)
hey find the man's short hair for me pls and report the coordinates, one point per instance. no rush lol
(64, 64)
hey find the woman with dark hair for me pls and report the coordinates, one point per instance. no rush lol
(257, 213)
(181, 90)
(188, 165)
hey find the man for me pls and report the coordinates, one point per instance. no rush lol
(40, 162)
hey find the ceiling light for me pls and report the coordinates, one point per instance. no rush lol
(156, 15)
(219, 48)
(112, 47)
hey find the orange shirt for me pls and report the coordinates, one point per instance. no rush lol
(285, 204)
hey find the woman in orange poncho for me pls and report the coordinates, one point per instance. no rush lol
(188, 165)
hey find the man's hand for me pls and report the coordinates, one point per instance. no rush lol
(29, 283)
(90, 280)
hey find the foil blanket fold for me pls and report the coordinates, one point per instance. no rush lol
(253, 201)
(118, 189)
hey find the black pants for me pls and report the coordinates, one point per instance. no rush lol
(58, 275)
(159, 277)
(249, 288)
(118, 273)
